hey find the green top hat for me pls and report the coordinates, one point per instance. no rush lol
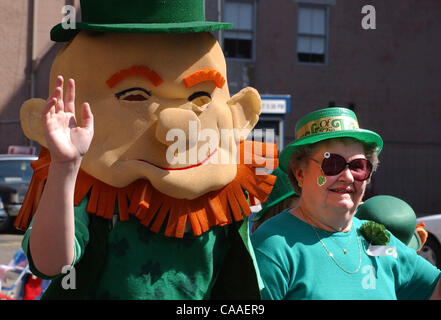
(395, 214)
(282, 189)
(140, 16)
(327, 124)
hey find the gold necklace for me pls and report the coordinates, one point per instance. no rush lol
(330, 254)
(345, 250)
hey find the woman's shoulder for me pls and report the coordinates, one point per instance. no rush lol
(282, 227)
(283, 220)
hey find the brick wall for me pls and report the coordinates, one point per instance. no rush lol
(392, 74)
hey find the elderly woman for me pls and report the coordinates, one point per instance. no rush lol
(319, 250)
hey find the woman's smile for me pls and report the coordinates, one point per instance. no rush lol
(342, 190)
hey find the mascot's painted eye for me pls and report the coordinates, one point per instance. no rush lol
(134, 95)
(200, 98)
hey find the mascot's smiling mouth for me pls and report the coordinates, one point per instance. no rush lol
(183, 168)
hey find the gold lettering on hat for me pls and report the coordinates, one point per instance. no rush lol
(326, 125)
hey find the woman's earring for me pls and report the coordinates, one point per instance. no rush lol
(300, 184)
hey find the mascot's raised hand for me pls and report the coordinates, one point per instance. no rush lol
(66, 140)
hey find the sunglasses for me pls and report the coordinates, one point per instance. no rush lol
(333, 164)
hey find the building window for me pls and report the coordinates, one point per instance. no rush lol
(238, 42)
(312, 34)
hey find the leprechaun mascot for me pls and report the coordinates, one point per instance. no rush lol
(138, 189)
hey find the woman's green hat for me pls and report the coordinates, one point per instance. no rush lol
(395, 214)
(326, 124)
(140, 16)
(282, 189)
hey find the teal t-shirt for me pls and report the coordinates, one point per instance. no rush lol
(294, 264)
(141, 264)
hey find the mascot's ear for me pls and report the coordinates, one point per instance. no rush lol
(245, 107)
(30, 119)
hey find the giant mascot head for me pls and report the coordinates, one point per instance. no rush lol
(156, 82)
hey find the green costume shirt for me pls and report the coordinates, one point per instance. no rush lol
(294, 264)
(128, 261)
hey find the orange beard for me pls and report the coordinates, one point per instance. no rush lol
(153, 208)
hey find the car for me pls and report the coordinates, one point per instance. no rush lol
(431, 250)
(15, 176)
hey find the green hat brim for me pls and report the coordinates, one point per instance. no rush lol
(363, 135)
(60, 34)
(258, 215)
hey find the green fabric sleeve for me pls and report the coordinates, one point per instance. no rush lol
(417, 278)
(81, 239)
(275, 276)
(244, 232)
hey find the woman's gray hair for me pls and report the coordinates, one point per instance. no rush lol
(302, 153)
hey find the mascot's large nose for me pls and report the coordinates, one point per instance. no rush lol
(176, 122)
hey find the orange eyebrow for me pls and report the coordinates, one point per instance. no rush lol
(204, 75)
(141, 71)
